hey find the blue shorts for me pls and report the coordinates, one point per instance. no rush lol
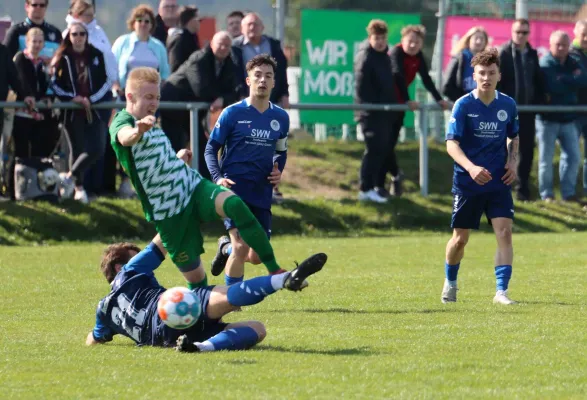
(467, 210)
(202, 330)
(263, 216)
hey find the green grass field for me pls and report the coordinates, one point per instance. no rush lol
(370, 326)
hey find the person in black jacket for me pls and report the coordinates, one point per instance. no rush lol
(253, 42)
(374, 83)
(407, 60)
(35, 11)
(209, 76)
(459, 73)
(79, 75)
(184, 42)
(31, 134)
(522, 80)
(167, 19)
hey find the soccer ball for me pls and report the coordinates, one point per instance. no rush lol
(48, 179)
(179, 308)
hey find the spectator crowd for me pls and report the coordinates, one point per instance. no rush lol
(41, 63)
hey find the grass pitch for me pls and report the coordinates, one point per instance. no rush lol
(370, 326)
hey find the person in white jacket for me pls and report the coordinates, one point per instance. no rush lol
(83, 11)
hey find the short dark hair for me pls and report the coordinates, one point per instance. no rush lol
(236, 13)
(29, 2)
(261, 59)
(115, 254)
(377, 27)
(522, 21)
(486, 58)
(186, 14)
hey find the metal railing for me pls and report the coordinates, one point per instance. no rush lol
(424, 111)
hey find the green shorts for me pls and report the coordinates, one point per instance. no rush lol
(181, 233)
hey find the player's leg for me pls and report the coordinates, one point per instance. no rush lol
(183, 240)
(235, 336)
(228, 205)
(569, 160)
(238, 252)
(500, 211)
(467, 211)
(546, 133)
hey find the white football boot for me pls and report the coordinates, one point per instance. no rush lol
(372, 196)
(449, 292)
(501, 297)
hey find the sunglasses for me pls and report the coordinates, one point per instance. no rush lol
(143, 21)
(38, 5)
(76, 34)
(522, 32)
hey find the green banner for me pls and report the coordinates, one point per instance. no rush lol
(328, 45)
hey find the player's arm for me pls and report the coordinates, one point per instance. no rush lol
(513, 145)
(222, 129)
(280, 155)
(456, 130)
(101, 333)
(149, 259)
(130, 135)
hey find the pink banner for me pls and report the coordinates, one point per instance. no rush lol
(499, 31)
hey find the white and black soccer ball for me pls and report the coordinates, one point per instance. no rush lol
(179, 308)
(48, 180)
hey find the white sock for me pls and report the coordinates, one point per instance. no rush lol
(205, 346)
(278, 280)
(452, 283)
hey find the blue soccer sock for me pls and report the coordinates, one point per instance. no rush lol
(229, 280)
(253, 291)
(239, 338)
(451, 271)
(503, 274)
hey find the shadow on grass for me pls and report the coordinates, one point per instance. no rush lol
(355, 351)
(368, 312)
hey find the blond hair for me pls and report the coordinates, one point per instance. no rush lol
(377, 27)
(463, 42)
(34, 32)
(142, 75)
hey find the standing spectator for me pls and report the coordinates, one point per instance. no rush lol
(30, 137)
(407, 60)
(579, 52)
(9, 78)
(166, 20)
(564, 78)
(83, 11)
(184, 42)
(139, 48)
(233, 23)
(459, 73)
(209, 75)
(100, 178)
(15, 38)
(251, 43)
(521, 79)
(79, 75)
(374, 84)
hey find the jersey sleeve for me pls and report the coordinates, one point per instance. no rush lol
(101, 332)
(146, 261)
(456, 123)
(222, 127)
(282, 142)
(121, 120)
(513, 126)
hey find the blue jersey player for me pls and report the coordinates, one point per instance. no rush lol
(482, 139)
(130, 309)
(253, 137)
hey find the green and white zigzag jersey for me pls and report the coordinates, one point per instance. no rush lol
(163, 182)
